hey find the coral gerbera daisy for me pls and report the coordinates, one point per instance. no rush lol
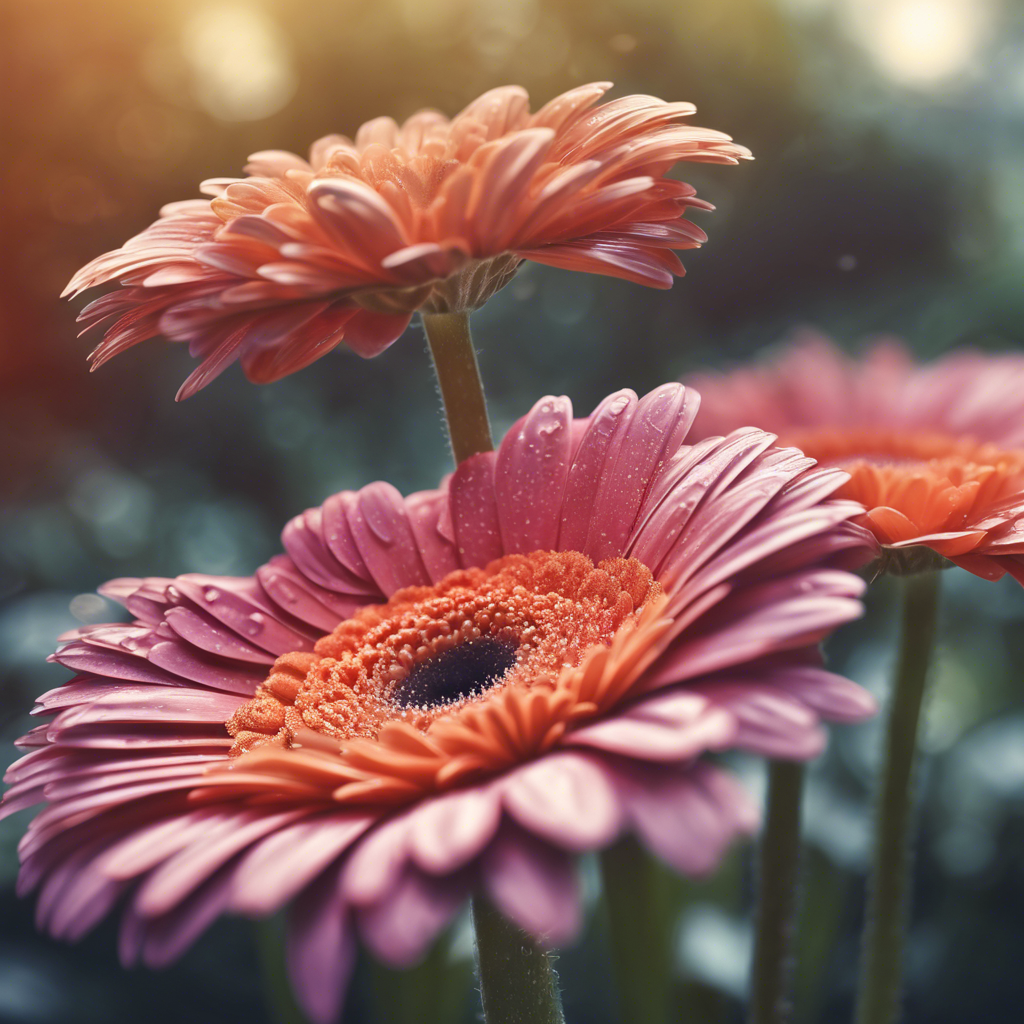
(935, 453)
(459, 689)
(433, 215)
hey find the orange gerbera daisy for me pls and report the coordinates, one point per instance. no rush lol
(434, 215)
(935, 453)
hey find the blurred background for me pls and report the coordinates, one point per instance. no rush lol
(887, 196)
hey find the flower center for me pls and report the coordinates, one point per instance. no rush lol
(464, 671)
(431, 651)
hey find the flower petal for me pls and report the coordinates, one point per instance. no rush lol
(565, 798)
(533, 885)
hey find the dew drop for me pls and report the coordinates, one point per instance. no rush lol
(254, 623)
(211, 593)
(286, 592)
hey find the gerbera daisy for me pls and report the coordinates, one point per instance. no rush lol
(433, 215)
(935, 453)
(454, 691)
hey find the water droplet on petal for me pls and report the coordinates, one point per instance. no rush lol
(211, 593)
(254, 623)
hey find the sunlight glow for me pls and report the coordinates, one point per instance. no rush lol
(920, 42)
(241, 65)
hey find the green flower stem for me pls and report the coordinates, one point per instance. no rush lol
(824, 892)
(281, 1004)
(640, 924)
(518, 984)
(881, 979)
(458, 377)
(778, 870)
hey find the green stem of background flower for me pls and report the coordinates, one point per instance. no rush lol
(885, 926)
(458, 377)
(518, 984)
(778, 878)
(640, 920)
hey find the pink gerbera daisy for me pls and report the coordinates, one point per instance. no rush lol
(459, 689)
(935, 453)
(434, 215)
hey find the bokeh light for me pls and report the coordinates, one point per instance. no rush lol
(243, 70)
(922, 42)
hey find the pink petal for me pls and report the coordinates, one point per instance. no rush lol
(357, 217)
(172, 882)
(424, 510)
(240, 605)
(85, 656)
(210, 636)
(309, 540)
(168, 937)
(602, 435)
(382, 533)
(565, 798)
(831, 696)
(400, 927)
(533, 885)
(673, 726)
(146, 847)
(321, 952)
(628, 262)
(376, 864)
(278, 867)
(565, 109)
(683, 496)
(449, 830)
(769, 722)
(475, 512)
(189, 664)
(302, 598)
(154, 704)
(73, 888)
(761, 619)
(681, 820)
(652, 435)
(75, 784)
(530, 475)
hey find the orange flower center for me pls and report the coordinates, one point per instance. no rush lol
(432, 652)
(936, 483)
